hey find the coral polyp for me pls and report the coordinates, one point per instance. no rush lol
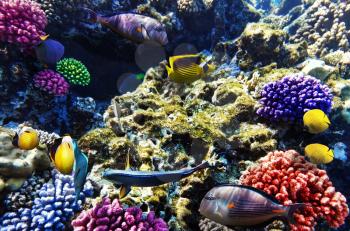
(74, 71)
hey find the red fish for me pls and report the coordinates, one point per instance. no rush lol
(136, 27)
(238, 205)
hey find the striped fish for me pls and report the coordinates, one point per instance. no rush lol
(238, 205)
(187, 68)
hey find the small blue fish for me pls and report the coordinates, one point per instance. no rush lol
(80, 170)
(127, 178)
(136, 27)
(49, 51)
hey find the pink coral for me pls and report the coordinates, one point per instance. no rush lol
(21, 22)
(51, 82)
(292, 179)
(112, 216)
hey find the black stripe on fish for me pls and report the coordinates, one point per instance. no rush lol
(187, 61)
(189, 67)
(253, 189)
(187, 72)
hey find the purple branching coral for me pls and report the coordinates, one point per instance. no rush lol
(112, 216)
(289, 98)
(51, 82)
(52, 208)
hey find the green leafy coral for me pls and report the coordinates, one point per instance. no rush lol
(74, 71)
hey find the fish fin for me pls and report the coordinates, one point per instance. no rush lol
(124, 190)
(253, 189)
(44, 37)
(231, 205)
(127, 162)
(291, 209)
(144, 32)
(15, 140)
(91, 15)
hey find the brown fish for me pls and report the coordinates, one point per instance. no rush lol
(238, 205)
(136, 27)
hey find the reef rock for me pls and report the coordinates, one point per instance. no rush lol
(16, 164)
(261, 44)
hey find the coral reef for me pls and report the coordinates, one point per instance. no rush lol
(22, 22)
(261, 43)
(51, 82)
(74, 71)
(324, 27)
(16, 164)
(289, 98)
(24, 197)
(52, 208)
(292, 179)
(108, 215)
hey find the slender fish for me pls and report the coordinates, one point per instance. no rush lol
(127, 178)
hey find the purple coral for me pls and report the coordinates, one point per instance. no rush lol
(51, 82)
(21, 22)
(289, 98)
(112, 216)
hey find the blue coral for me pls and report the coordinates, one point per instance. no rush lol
(289, 98)
(53, 207)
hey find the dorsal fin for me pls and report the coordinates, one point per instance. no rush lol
(127, 164)
(253, 189)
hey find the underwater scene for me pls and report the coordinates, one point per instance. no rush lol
(174, 115)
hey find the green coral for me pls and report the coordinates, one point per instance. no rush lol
(74, 71)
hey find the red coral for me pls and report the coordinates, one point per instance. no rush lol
(292, 179)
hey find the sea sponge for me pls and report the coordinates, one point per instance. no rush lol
(21, 22)
(109, 215)
(51, 82)
(292, 179)
(289, 98)
(74, 71)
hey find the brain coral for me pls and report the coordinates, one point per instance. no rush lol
(112, 216)
(289, 98)
(21, 22)
(74, 71)
(291, 179)
(51, 82)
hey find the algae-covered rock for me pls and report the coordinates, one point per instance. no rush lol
(261, 44)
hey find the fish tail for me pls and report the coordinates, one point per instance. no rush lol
(91, 15)
(291, 210)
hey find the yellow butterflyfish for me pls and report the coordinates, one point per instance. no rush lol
(188, 68)
(26, 139)
(316, 121)
(319, 153)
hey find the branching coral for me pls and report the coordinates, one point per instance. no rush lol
(74, 71)
(109, 215)
(289, 98)
(21, 22)
(324, 27)
(52, 208)
(51, 82)
(292, 179)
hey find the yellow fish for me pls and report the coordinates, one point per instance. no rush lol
(316, 121)
(26, 139)
(319, 153)
(188, 68)
(63, 156)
